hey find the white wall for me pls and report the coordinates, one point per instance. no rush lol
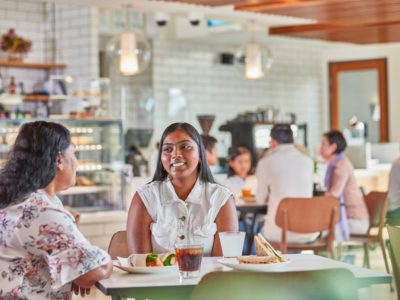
(76, 42)
(293, 85)
(389, 51)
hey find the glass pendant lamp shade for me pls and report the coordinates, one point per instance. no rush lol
(130, 52)
(253, 60)
(128, 62)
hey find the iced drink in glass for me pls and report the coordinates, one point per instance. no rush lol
(189, 259)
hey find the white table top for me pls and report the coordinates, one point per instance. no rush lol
(121, 280)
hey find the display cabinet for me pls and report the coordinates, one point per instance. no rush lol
(100, 154)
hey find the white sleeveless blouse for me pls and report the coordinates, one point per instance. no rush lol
(183, 222)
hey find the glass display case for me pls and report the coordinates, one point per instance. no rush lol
(100, 154)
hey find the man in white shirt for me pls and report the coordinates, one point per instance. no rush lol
(283, 173)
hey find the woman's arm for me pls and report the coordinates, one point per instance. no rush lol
(87, 280)
(138, 232)
(341, 175)
(226, 220)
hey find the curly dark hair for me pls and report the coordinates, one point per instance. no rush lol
(204, 171)
(32, 161)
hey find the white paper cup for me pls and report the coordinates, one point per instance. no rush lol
(232, 243)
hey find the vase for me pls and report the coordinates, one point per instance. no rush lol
(15, 56)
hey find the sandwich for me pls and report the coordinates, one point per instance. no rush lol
(252, 259)
(263, 248)
(144, 260)
(168, 259)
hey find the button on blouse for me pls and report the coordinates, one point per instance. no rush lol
(183, 222)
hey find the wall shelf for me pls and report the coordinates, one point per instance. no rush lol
(41, 98)
(18, 64)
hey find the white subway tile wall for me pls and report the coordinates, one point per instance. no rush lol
(76, 42)
(293, 85)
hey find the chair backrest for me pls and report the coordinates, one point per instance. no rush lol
(376, 205)
(311, 285)
(118, 245)
(307, 215)
(394, 251)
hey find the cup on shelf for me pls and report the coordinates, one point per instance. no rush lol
(189, 259)
(232, 243)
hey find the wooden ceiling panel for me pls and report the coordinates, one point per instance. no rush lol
(335, 11)
(358, 35)
(218, 2)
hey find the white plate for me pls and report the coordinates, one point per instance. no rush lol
(145, 270)
(234, 264)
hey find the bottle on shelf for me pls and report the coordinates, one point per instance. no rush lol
(12, 87)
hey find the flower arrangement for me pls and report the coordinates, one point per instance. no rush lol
(14, 43)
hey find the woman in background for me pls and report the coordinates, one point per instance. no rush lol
(43, 255)
(240, 176)
(341, 183)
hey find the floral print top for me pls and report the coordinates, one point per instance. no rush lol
(42, 250)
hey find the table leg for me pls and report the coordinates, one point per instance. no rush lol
(254, 231)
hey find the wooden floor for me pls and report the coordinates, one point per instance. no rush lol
(375, 292)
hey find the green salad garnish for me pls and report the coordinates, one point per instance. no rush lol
(167, 261)
(151, 257)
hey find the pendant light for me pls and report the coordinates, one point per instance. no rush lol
(253, 60)
(129, 50)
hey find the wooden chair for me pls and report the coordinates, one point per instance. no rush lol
(394, 251)
(305, 285)
(118, 245)
(308, 215)
(377, 205)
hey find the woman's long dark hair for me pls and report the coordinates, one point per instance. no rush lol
(32, 162)
(203, 169)
(235, 153)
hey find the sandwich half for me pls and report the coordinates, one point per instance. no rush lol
(168, 259)
(252, 259)
(263, 248)
(144, 260)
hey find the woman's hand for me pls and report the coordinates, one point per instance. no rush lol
(86, 281)
(84, 291)
(138, 232)
(226, 220)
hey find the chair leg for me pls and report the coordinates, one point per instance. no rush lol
(366, 257)
(339, 251)
(382, 243)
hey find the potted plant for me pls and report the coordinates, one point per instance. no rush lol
(15, 45)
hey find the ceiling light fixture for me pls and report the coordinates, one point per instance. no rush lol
(253, 59)
(129, 50)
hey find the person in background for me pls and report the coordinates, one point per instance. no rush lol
(43, 255)
(394, 192)
(240, 176)
(210, 147)
(182, 204)
(283, 173)
(341, 183)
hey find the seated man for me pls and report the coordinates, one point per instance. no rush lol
(394, 192)
(211, 149)
(283, 173)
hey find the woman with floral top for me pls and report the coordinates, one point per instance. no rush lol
(43, 255)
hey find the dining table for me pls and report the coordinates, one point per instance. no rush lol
(250, 206)
(169, 286)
